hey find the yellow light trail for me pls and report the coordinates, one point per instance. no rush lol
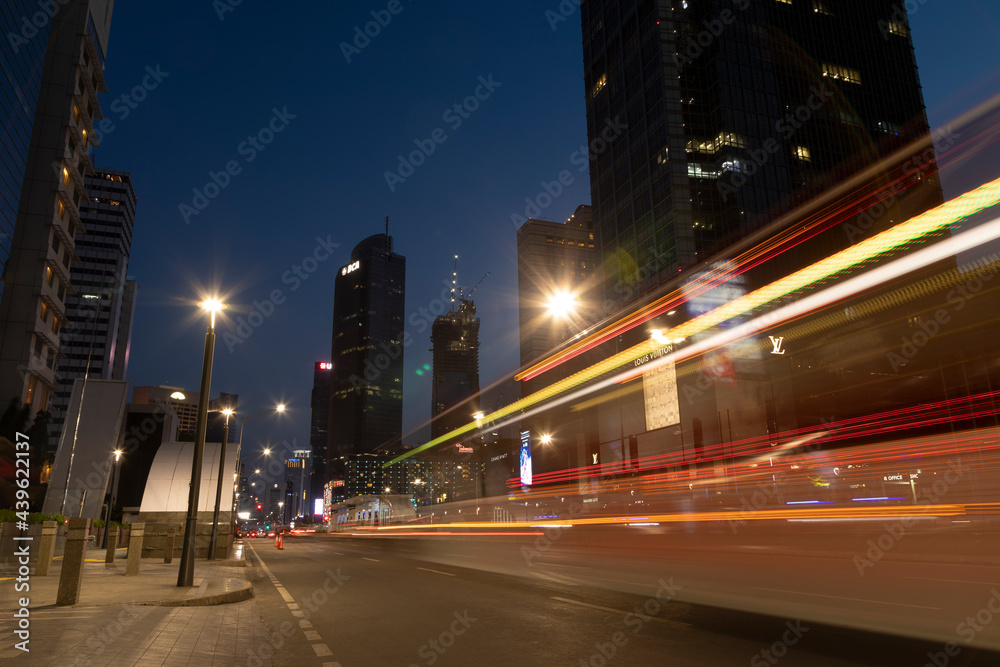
(931, 221)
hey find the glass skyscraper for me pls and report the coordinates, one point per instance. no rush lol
(366, 384)
(709, 120)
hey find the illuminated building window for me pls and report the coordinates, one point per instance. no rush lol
(599, 84)
(65, 175)
(820, 7)
(696, 170)
(43, 311)
(784, 2)
(840, 73)
(894, 28)
(31, 390)
(712, 146)
(49, 276)
(56, 325)
(802, 153)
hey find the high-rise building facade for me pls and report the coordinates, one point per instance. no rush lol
(22, 65)
(99, 311)
(36, 277)
(556, 266)
(318, 427)
(366, 385)
(455, 345)
(709, 120)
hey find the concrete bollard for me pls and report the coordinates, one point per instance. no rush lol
(134, 549)
(71, 575)
(109, 557)
(46, 547)
(168, 544)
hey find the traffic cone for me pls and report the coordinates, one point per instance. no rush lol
(281, 542)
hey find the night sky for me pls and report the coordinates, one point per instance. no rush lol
(210, 80)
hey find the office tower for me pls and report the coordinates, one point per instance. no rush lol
(318, 428)
(455, 344)
(95, 339)
(22, 65)
(709, 120)
(556, 294)
(366, 385)
(36, 276)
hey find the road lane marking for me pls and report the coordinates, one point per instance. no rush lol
(955, 581)
(305, 624)
(623, 613)
(312, 635)
(557, 579)
(337, 553)
(322, 649)
(840, 597)
(427, 569)
(374, 560)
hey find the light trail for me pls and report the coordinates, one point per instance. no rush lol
(920, 226)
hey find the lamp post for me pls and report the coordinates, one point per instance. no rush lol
(114, 492)
(185, 576)
(239, 446)
(218, 491)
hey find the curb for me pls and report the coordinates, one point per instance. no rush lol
(234, 590)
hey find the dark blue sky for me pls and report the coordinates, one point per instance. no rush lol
(322, 176)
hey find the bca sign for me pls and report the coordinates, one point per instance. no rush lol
(353, 266)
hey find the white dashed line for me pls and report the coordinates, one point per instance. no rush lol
(322, 649)
(427, 569)
(840, 597)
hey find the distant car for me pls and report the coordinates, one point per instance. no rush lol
(252, 533)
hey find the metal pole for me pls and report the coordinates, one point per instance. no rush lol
(218, 492)
(115, 472)
(185, 577)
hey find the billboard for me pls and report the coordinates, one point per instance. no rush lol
(525, 458)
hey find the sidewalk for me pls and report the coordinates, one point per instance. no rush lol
(142, 620)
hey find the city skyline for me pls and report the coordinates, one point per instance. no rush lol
(174, 56)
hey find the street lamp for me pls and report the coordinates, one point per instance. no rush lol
(218, 490)
(185, 577)
(114, 492)
(239, 446)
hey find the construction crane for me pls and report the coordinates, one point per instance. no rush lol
(454, 285)
(469, 295)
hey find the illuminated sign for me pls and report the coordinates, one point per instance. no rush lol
(776, 344)
(318, 506)
(336, 483)
(462, 449)
(353, 266)
(324, 366)
(525, 458)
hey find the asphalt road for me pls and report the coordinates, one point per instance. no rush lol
(332, 600)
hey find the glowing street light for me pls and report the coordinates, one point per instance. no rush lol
(562, 303)
(185, 576)
(545, 439)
